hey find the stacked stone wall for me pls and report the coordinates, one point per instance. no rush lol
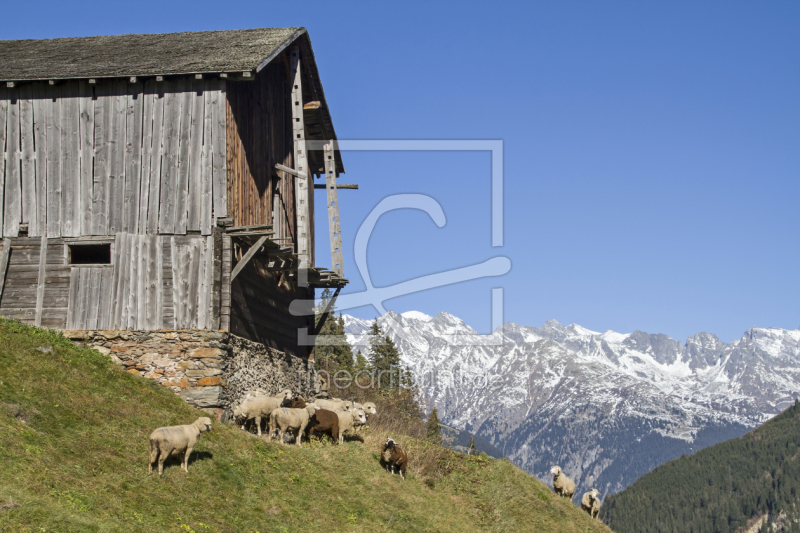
(211, 370)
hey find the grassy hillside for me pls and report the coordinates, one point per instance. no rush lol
(728, 487)
(74, 437)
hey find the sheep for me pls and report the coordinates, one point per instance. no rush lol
(174, 440)
(333, 405)
(370, 409)
(287, 419)
(562, 485)
(349, 420)
(324, 421)
(258, 408)
(393, 457)
(591, 503)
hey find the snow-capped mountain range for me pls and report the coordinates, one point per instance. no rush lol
(606, 407)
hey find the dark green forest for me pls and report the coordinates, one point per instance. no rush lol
(719, 489)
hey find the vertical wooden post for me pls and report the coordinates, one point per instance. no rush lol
(40, 286)
(4, 263)
(302, 211)
(334, 227)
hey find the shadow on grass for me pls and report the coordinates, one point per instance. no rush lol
(177, 460)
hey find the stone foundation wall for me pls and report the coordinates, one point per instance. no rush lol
(211, 370)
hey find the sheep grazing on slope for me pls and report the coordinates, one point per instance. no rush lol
(591, 503)
(350, 420)
(286, 419)
(333, 405)
(324, 421)
(257, 408)
(563, 485)
(394, 458)
(175, 440)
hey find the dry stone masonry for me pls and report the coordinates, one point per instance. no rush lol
(211, 370)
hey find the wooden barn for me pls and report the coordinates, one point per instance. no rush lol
(162, 182)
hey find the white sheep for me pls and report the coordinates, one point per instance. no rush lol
(287, 419)
(591, 503)
(563, 485)
(174, 440)
(258, 408)
(350, 420)
(334, 405)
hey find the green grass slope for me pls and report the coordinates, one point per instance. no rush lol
(73, 457)
(723, 489)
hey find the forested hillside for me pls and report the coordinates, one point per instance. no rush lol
(747, 482)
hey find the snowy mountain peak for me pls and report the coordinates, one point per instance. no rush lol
(416, 315)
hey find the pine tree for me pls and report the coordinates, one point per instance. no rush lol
(472, 450)
(332, 357)
(361, 362)
(434, 428)
(384, 359)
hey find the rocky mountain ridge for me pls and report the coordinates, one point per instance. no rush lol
(606, 407)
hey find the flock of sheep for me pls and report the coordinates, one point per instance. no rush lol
(565, 487)
(283, 414)
(332, 417)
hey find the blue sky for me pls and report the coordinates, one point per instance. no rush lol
(652, 149)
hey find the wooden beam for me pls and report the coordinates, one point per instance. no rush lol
(250, 228)
(40, 286)
(334, 227)
(303, 196)
(312, 105)
(249, 255)
(10, 84)
(338, 186)
(290, 171)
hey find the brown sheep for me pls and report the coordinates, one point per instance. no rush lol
(324, 421)
(393, 456)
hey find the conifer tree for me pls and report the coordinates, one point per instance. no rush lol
(384, 359)
(434, 428)
(332, 357)
(472, 450)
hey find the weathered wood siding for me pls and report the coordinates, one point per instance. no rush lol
(82, 159)
(260, 311)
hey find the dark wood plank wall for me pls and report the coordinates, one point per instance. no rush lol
(259, 136)
(260, 310)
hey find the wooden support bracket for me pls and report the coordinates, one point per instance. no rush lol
(248, 256)
(291, 171)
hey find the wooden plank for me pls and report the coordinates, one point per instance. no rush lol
(40, 284)
(156, 150)
(176, 283)
(103, 137)
(214, 288)
(117, 148)
(194, 276)
(184, 156)
(72, 305)
(334, 227)
(82, 313)
(70, 161)
(86, 121)
(28, 161)
(12, 205)
(301, 184)
(132, 296)
(52, 115)
(142, 288)
(219, 176)
(93, 297)
(152, 286)
(117, 289)
(159, 283)
(225, 284)
(134, 112)
(171, 144)
(148, 101)
(204, 291)
(38, 227)
(3, 132)
(247, 256)
(195, 186)
(104, 312)
(206, 172)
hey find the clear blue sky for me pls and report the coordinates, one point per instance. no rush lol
(652, 149)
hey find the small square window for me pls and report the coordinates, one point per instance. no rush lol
(89, 254)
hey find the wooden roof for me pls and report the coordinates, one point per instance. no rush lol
(109, 56)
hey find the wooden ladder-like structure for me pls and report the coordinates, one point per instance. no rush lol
(337, 265)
